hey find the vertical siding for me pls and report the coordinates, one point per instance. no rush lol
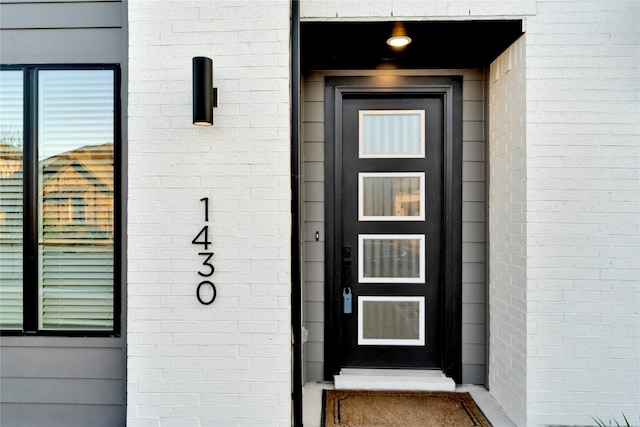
(473, 233)
(58, 381)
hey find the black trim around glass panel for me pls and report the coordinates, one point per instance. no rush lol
(30, 200)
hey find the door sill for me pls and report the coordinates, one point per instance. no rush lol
(393, 379)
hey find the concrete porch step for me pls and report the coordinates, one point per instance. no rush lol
(393, 379)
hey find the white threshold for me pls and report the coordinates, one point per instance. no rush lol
(393, 379)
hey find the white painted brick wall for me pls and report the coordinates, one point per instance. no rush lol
(414, 8)
(578, 286)
(507, 232)
(227, 364)
(583, 203)
(565, 324)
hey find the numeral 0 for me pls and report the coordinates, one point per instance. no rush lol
(213, 292)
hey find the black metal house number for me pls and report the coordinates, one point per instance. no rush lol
(202, 238)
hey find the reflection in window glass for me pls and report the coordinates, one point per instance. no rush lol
(391, 258)
(76, 199)
(391, 133)
(391, 196)
(391, 320)
(11, 222)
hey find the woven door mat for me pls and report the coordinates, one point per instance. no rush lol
(359, 408)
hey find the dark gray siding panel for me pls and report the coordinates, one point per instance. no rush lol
(61, 15)
(64, 381)
(84, 359)
(49, 381)
(60, 416)
(45, 391)
(61, 46)
(58, 1)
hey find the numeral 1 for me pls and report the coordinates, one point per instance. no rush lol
(206, 208)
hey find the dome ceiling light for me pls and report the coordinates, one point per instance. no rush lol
(399, 37)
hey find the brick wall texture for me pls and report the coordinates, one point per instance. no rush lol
(563, 209)
(583, 211)
(228, 363)
(508, 232)
(565, 216)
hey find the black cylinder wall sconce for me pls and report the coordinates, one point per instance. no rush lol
(205, 96)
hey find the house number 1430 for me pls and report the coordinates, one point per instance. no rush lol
(202, 238)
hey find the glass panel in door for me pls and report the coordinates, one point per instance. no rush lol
(391, 320)
(391, 258)
(391, 196)
(391, 133)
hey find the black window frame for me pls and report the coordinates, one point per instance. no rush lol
(30, 283)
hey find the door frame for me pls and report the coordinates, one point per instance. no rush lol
(450, 89)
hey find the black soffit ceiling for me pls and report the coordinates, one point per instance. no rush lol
(436, 44)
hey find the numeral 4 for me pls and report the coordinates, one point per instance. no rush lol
(202, 238)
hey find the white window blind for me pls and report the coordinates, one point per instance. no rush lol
(76, 199)
(11, 181)
(392, 133)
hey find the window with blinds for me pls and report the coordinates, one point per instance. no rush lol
(11, 182)
(72, 145)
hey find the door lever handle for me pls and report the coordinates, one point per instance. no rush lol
(347, 272)
(346, 252)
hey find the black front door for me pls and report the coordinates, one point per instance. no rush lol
(388, 237)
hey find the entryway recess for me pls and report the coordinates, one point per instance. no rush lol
(393, 184)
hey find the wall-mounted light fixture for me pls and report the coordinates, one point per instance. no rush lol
(205, 96)
(399, 37)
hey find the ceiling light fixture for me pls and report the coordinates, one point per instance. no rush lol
(399, 36)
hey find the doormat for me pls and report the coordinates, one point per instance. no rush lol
(360, 408)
